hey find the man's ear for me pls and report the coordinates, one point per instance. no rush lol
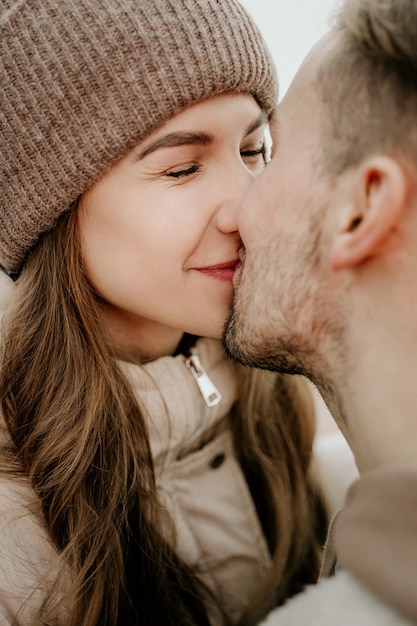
(377, 196)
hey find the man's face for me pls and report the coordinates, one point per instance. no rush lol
(284, 312)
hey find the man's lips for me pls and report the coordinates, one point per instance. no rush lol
(221, 271)
(238, 268)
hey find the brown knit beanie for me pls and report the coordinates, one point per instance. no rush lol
(83, 81)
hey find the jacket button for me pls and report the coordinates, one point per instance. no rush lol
(217, 460)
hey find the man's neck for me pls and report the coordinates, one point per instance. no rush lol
(376, 403)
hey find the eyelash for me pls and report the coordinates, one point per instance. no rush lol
(191, 170)
(252, 153)
(196, 167)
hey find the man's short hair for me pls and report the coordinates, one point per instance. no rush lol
(368, 83)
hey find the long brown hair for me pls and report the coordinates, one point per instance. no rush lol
(78, 433)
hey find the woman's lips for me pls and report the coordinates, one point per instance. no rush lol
(221, 271)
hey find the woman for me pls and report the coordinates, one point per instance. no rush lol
(145, 479)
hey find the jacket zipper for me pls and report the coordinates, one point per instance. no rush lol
(211, 395)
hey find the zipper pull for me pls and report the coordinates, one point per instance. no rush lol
(209, 392)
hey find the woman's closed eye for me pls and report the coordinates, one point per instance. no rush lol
(254, 159)
(253, 153)
(184, 172)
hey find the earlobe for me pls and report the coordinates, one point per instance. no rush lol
(376, 199)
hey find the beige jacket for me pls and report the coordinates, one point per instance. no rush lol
(199, 479)
(200, 482)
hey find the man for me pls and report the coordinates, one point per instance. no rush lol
(328, 289)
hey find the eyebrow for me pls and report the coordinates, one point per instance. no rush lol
(173, 140)
(260, 120)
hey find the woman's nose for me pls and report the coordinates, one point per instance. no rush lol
(233, 191)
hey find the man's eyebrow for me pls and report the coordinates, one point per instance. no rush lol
(173, 140)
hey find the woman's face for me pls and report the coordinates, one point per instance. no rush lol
(158, 233)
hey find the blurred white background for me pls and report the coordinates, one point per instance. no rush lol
(291, 28)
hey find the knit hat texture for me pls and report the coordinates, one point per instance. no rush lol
(83, 81)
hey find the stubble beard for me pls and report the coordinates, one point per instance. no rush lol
(256, 331)
(280, 318)
(261, 347)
